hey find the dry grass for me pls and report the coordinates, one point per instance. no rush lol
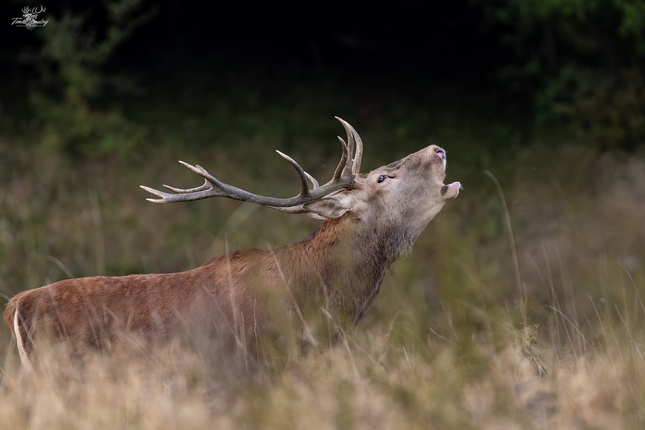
(445, 345)
(367, 385)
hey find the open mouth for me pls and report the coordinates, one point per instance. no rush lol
(449, 191)
(441, 177)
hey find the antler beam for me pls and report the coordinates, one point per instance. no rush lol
(346, 171)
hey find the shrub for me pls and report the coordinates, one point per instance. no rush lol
(582, 61)
(72, 80)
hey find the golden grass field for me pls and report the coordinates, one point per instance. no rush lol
(475, 329)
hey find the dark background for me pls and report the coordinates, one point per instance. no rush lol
(573, 67)
(436, 40)
(370, 46)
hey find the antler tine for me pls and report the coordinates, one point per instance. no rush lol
(350, 145)
(203, 173)
(343, 161)
(180, 194)
(300, 171)
(156, 193)
(206, 186)
(358, 157)
(355, 159)
(313, 180)
(304, 188)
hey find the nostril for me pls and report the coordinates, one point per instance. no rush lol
(440, 152)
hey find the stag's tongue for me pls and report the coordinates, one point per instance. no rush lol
(450, 191)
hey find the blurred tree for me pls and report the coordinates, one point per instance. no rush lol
(582, 60)
(72, 78)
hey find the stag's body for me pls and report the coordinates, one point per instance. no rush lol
(242, 297)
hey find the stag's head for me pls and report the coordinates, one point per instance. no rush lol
(396, 200)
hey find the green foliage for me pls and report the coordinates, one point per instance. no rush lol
(70, 64)
(583, 59)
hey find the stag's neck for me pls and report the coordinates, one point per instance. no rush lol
(348, 262)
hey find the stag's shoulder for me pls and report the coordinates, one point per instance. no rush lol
(235, 262)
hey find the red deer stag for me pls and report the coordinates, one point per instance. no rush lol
(369, 220)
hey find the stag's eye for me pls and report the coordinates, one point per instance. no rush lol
(381, 178)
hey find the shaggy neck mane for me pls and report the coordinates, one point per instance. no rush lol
(345, 262)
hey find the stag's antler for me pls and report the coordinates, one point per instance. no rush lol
(347, 169)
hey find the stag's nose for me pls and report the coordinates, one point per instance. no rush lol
(440, 152)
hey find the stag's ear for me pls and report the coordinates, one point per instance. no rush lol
(330, 207)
